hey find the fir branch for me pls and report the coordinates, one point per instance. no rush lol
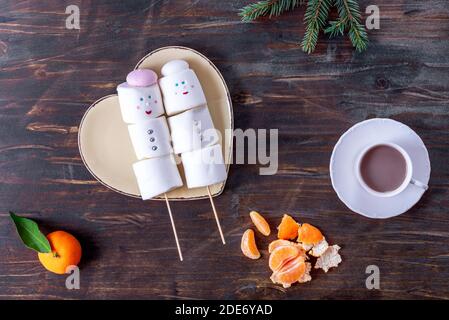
(315, 18)
(336, 28)
(267, 7)
(350, 17)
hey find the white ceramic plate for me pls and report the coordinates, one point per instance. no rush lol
(342, 163)
(103, 138)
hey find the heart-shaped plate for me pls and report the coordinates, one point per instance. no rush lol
(103, 138)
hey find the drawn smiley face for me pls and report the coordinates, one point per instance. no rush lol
(146, 103)
(140, 96)
(183, 88)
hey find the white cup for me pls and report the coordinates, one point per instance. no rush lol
(408, 177)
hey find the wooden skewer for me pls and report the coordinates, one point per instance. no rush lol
(216, 216)
(173, 226)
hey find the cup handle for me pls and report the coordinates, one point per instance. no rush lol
(419, 184)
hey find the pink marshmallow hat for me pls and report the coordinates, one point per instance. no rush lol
(141, 78)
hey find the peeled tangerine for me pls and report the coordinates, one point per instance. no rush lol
(288, 229)
(312, 240)
(260, 223)
(288, 263)
(288, 260)
(282, 255)
(295, 270)
(248, 245)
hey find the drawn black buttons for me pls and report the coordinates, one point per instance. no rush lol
(152, 139)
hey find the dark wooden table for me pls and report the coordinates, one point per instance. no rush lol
(50, 75)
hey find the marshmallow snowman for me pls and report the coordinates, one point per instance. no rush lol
(140, 97)
(141, 105)
(156, 176)
(204, 167)
(180, 87)
(192, 129)
(150, 138)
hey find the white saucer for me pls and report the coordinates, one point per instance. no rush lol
(344, 155)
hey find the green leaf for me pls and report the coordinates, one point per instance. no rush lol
(30, 234)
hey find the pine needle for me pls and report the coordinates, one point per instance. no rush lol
(267, 7)
(315, 18)
(349, 19)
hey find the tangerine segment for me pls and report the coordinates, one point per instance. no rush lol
(291, 272)
(260, 223)
(281, 255)
(66, 251)
(306, 276)
(288, 229)
(280, 242)
(277, 243)
(248, 245)
(309, 234)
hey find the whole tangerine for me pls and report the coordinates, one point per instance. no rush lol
(66, 251)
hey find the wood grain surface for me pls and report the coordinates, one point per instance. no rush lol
(50, 75)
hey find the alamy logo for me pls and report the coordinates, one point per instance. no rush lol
(373, 280)
(73, 20)
(73, 280)
(373, 20)
(252, 146)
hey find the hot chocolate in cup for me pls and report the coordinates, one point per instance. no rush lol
(385, 170)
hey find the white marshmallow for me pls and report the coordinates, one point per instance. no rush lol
(193, 129)
(139, 103)
(204, 167)
(180, 87)
(150, 138)
(173, 67)
(156, 176)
